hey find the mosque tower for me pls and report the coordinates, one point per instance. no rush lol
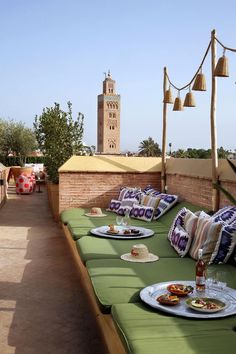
(108, 121)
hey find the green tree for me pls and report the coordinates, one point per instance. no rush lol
(148, 147)
(59, 137)
(222, 153)
(16, 139)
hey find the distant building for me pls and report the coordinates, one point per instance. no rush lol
(108, 121)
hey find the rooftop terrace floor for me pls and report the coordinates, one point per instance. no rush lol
(43, 309)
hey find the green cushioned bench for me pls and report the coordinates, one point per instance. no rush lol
(91, 247)
(80, 225)
(116, 281)
(116, 285)
(145, 331)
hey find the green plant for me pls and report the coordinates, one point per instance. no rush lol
(59, 137)
(17, 140)
(148, 147)
(228, 195)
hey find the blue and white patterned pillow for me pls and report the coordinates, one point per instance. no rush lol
(114, 205)
(181, 241)
(178, 221)
(226, 214)
(166, 202)
(127, 204)
(149, 190)
(142, 212)
(225, 245)
(128, 192)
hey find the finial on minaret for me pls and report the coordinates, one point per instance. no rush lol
(109, 74)
(105, 74)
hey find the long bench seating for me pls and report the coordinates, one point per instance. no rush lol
(113, 287)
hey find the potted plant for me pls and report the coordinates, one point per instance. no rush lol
(59, 137)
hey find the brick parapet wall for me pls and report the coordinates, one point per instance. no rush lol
(88, 189)
(197, 190)
(231, 188)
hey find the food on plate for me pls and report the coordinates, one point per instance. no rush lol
(167, 299)
(205, 304)
(134, 231)
(112, 229)
(127, 232)
(180, 289)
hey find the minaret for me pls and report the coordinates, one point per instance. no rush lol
(108, 124)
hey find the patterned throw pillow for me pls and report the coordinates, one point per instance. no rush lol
(128, 192)
(127, 203)
(178, 221)
(207, 232)
(166, 202)
(190, 222)
(114, 205)
(150, 190)
(225, 245)
(180, 241)
(142, 212)
(149, 200)
(226, 214)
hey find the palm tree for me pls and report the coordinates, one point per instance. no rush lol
(148, 147)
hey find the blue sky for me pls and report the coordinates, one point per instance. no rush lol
(55, 51)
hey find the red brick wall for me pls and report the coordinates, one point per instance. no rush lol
(197, 191)
(97, 189)
(231, 188)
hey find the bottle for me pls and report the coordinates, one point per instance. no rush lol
(200, 273)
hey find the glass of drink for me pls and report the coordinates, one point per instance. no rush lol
(126, 219)
(119, 220)
(211, 282)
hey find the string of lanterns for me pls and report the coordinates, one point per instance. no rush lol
(198, 81)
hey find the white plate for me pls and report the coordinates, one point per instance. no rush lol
(103, 231)
(150, 293)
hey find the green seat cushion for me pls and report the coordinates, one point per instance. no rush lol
(91, 247)
(82, 225)
(71, 214)
(146, 331)
(116, 281)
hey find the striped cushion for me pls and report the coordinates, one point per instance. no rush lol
(149, 200)
(207, 231)
(190, 222)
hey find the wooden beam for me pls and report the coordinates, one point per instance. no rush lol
(214, 155)
(163, 168)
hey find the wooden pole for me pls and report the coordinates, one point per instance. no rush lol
(163, 166)
(214, 155)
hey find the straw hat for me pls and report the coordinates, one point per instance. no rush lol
(139, 253)
(95, 212)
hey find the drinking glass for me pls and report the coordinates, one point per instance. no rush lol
(211, 282)
(126, 219)
(119, 220)
(221, 277)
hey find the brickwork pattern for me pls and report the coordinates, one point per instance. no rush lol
(195, 190)
(97, 189)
